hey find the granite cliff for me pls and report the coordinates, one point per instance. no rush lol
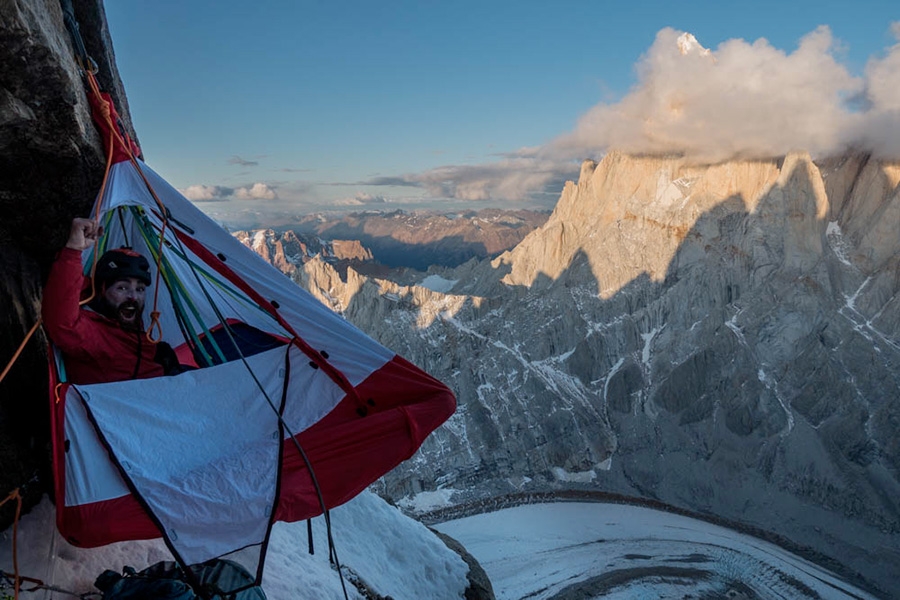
(288, 251)
(723, 339)
(51, 165)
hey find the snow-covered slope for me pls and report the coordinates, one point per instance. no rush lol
(394, 555)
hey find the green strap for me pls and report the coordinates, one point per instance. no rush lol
(181, 301)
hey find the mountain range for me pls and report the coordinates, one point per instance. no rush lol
(421, 239)
(719, 338)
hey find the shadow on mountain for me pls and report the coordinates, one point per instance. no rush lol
(740, 383)
(450, 251)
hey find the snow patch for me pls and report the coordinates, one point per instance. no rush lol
(835, 238)
(259, 239)
(428, 501)
(436, 283)
(578, 476)
(648, 339)
(851, 301)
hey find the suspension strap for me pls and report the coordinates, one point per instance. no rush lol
(86, 63)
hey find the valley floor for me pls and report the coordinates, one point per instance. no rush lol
(563, 551)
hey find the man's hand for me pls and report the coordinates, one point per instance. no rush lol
(83, 234)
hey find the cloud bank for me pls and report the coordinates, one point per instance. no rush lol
(746, 100)
(517, 177)
(218, 193)
(361, 199)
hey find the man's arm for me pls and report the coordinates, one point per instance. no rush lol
(60, 307)
(83, 234)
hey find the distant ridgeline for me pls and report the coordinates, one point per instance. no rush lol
(412, 240)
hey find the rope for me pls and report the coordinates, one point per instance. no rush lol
(98, 203)
(19, 351)
(177, 290)
(154, 331)
(40, 585)
(113, 135)
(154, 314)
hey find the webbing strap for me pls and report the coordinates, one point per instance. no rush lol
(180, 298)
(84, 60)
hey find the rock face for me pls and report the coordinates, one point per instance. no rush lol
(51, 165)
(288, 251)
(724, 339)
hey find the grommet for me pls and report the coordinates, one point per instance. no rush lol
(313, 364)
(275, 303)
(324, 354)
(370, 402)
(362, 411)
(221, 256)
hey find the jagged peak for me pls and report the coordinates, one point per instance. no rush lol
(587, 170)
(688, 44)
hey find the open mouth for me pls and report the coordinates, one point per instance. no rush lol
(128, 312)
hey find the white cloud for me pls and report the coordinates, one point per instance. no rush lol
(206, 193)
(258, 191)
(218, 193)
(366, 198)
(514, 178)
(883, 77)
(360, 199)
(878, 127)
(750, 100)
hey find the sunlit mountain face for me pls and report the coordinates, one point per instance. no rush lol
(722, 339)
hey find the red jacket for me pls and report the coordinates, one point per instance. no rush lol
(95, 349)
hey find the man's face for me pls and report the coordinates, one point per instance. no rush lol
(125, 301)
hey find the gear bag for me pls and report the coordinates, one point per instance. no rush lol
(166, 581)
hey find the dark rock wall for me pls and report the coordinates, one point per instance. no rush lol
(51, 166)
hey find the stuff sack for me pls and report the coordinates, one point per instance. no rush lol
(166, 581)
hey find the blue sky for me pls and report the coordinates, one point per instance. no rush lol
(264, 109)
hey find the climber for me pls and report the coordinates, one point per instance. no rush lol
(103, 341)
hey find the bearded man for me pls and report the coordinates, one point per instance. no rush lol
(104, 340)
